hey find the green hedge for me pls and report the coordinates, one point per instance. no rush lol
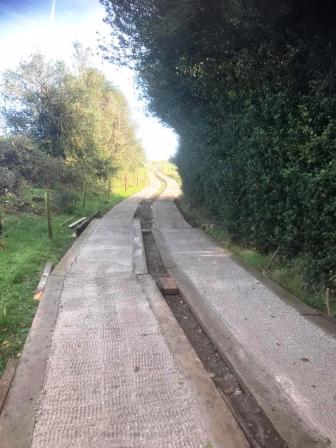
(250, 90)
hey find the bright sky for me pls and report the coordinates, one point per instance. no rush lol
(51, 26)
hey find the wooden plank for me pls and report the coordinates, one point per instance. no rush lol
(76, 223)
(168, 286)
(83, 225)
(6, 380)
(43, 281)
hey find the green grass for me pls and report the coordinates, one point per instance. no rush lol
(286, 273)
(28, 249)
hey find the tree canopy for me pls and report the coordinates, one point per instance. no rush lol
(249, 86)
(77, 115)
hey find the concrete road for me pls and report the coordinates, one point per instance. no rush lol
(284, 352)
(104, 366)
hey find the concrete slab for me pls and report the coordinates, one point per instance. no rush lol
(139, 256)
(287, 361)
(6, 380)
(109, 377)
(221, 425)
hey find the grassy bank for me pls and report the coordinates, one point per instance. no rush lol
(287, 273)
(28, 248)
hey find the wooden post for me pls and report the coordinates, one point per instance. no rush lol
(47, 205)
(125, 181)
(272, 259)
(137, 181)
(84, 194)
(109, 188)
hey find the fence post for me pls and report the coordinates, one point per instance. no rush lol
(125, 181)
(84, 194)
(109, 189)
(137, 181)
(47, 205)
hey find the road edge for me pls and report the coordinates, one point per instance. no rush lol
(289, 425)
(222, 426)
(17, 418)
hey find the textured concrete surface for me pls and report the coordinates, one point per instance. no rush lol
(18, 415)
(111, 379)
(224, 429)
(288, 361)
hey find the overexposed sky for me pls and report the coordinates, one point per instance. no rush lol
(51, 26)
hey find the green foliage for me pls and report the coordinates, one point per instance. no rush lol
(78, 116)
(22, 163)
(250, 90)
(64, 200)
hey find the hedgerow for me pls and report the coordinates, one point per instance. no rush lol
(249, 86)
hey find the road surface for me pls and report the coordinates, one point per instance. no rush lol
(109, 369)
(283, 351)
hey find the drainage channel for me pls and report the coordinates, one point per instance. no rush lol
(258, 429)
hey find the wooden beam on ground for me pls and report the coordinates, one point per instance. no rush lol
(83, 225)
(76, 223)
(43, 281)
(168, 286)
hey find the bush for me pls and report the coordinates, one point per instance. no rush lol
(64, 200)
(21, 162)
(8, 180)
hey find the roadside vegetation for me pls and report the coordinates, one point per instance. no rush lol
(64, 131)
(249, 87)
(282, 270)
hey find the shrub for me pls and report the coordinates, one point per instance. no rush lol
(64, 200)
(20, 161)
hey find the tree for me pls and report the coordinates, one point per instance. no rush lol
(79, 116)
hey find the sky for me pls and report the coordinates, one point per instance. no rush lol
(51, 26)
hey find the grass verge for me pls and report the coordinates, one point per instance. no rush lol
(286, 273)
(27, 250)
